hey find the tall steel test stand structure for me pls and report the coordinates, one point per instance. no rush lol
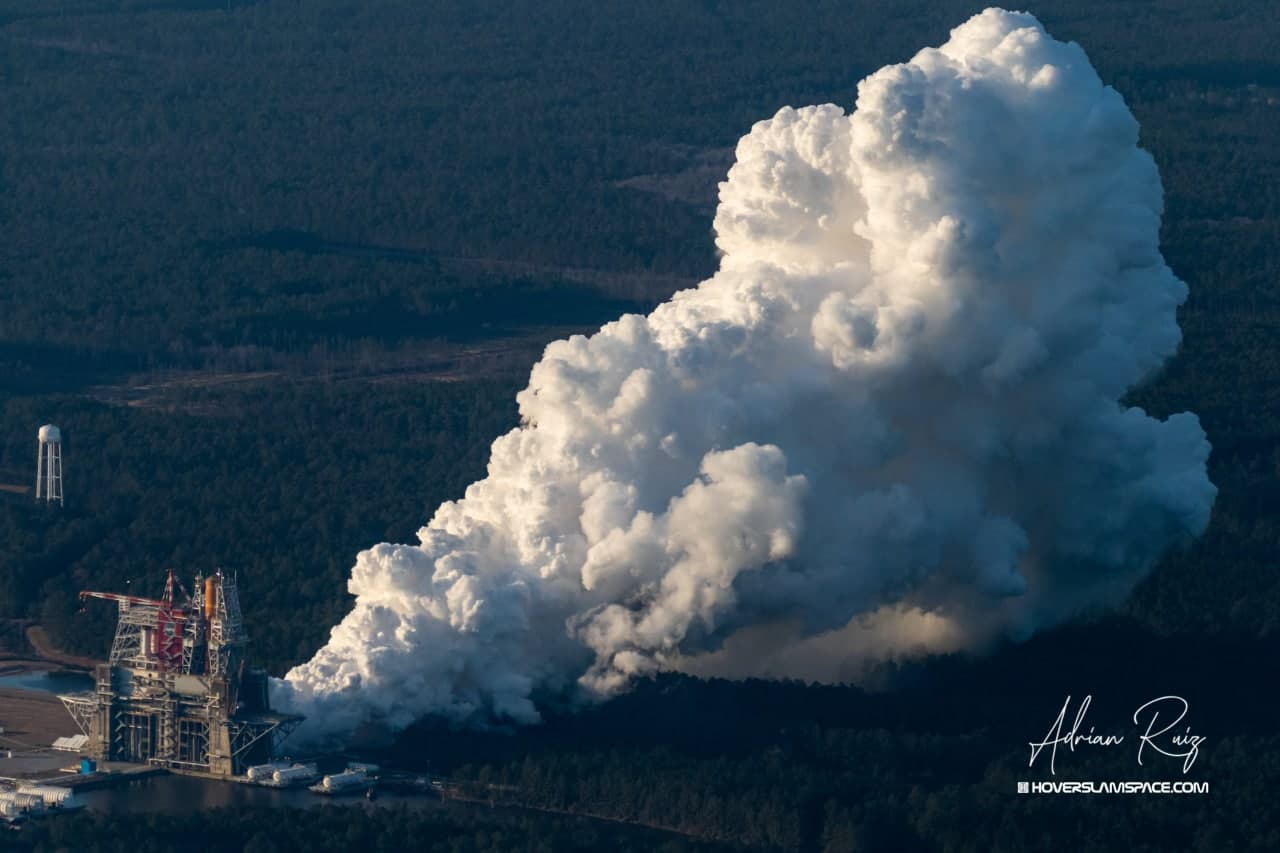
(175, 692)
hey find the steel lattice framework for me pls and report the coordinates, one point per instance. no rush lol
(175, 692)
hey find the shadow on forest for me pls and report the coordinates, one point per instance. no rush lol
(1012, 694)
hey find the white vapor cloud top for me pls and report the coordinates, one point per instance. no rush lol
(899, 394)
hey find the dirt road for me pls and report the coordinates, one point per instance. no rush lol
(44, 650)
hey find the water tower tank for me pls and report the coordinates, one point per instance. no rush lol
(49, 465)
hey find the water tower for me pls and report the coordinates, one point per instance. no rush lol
(49, 465)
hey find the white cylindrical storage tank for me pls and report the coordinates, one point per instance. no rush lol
(52, 795)
(264, 771)
(345, 779)
(22, 802)
(295, 774)
(49, 434)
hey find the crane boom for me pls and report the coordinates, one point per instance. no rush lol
(150, 631)
(114, 596)
(165, 602)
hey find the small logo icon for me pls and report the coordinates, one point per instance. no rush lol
(1024, 787)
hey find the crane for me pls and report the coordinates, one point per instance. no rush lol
(165, 601)
(159, 640)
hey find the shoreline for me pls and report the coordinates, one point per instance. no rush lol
(24, 666)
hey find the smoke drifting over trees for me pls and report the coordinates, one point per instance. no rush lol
(891, 420)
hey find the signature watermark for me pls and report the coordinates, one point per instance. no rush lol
(1054, 787)
(1161, 733)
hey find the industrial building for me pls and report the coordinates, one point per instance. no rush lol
(176, 692)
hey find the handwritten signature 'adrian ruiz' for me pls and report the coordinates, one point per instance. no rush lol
(1164, 733)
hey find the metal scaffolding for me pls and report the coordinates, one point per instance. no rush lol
(175, 692)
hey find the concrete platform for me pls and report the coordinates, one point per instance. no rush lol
(32, 720)
(34, 764)
(63, 769)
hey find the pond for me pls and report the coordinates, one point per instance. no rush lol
(60, 681)
(182, 794)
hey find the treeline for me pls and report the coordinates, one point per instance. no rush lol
(288, 187)
(930, 765)
(153, 150)
(342, 829)
(283, 483)
(307, 189)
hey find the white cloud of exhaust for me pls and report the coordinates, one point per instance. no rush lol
(891, 421)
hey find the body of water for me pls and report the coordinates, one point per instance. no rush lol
(182, 794)
(48, 682)
(172, 794)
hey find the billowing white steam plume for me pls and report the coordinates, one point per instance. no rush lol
(895, 406)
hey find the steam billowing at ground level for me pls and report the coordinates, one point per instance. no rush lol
(890, 422)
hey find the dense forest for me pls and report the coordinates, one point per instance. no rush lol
(341, 829)
(230, 478)
(358, 227)
(277, 268)
(283, 173)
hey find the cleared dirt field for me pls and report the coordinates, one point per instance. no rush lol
(32, 719)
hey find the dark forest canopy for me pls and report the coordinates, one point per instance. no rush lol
(307, 209)
(181, 175)
(278, 268)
